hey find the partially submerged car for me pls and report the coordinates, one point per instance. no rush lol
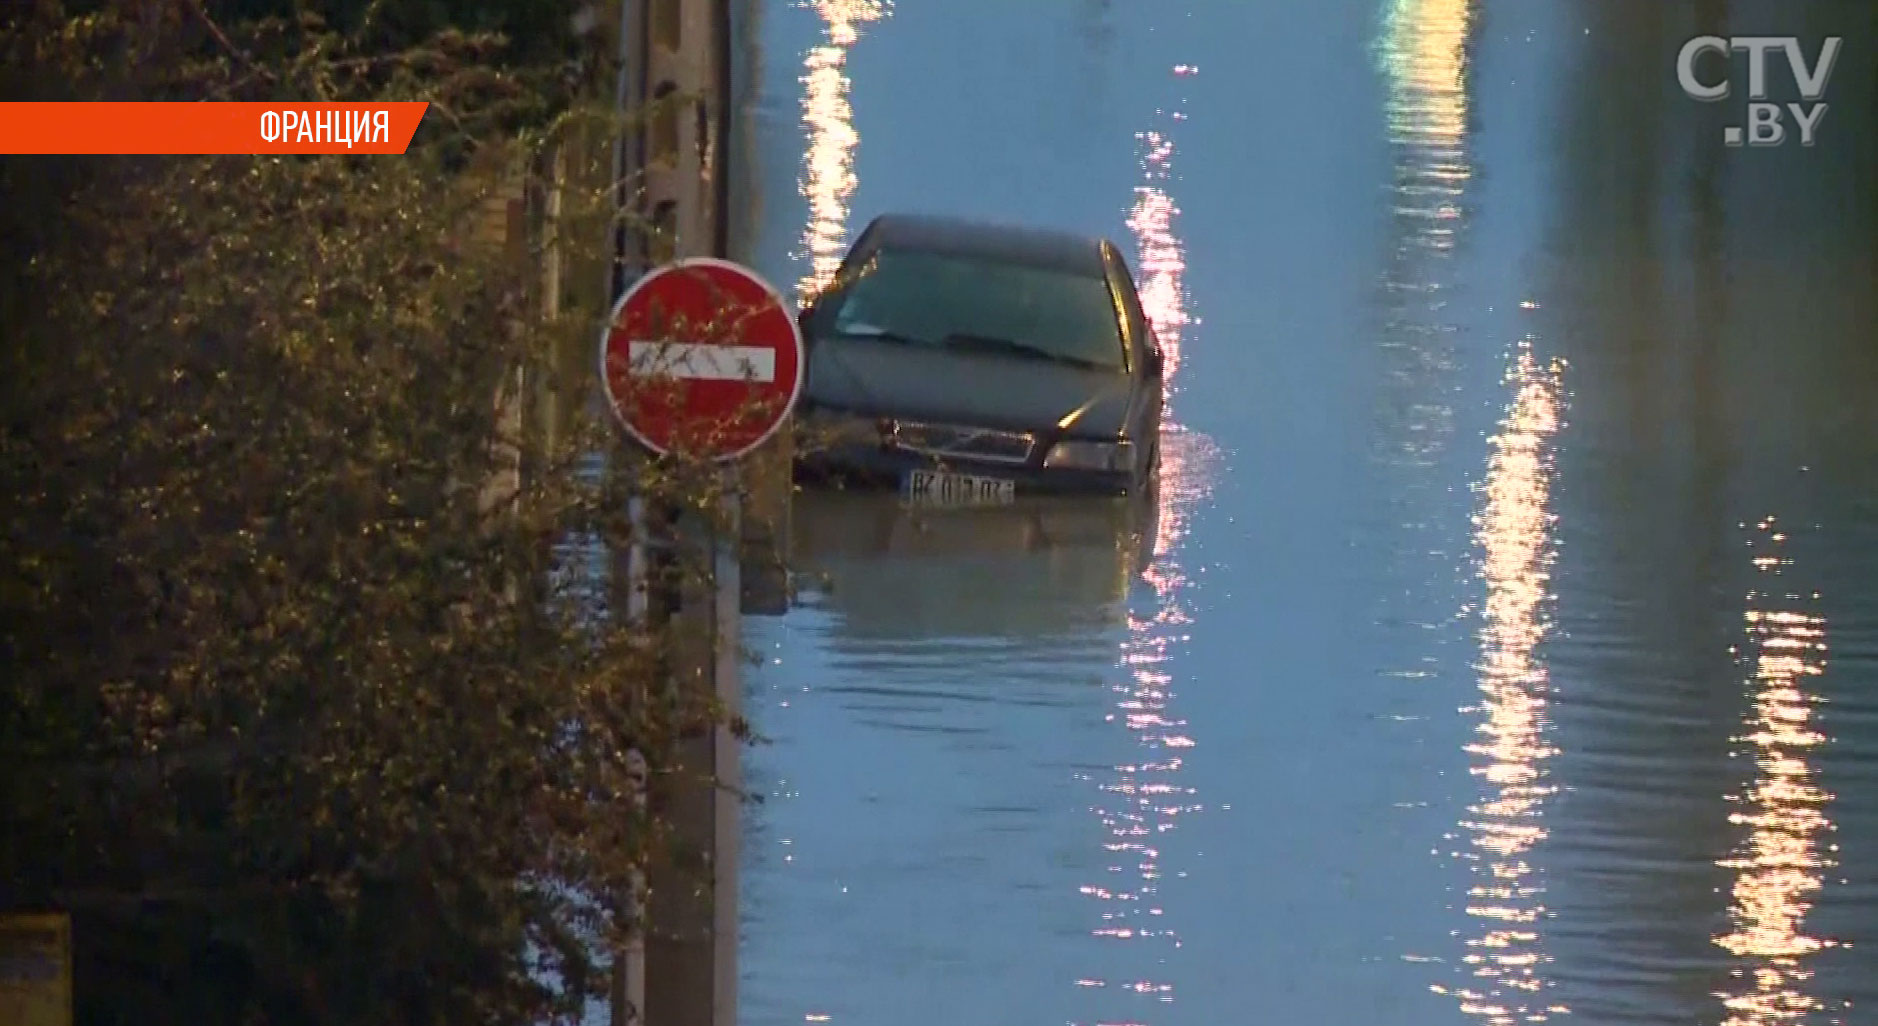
(967, 363)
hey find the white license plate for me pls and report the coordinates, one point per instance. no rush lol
(932, 488)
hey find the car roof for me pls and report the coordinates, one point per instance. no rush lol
(1030, 246)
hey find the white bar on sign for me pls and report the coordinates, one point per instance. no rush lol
(703, 361)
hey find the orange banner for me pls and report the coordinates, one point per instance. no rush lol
(209, 127)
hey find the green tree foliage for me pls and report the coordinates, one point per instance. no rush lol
(309, 714)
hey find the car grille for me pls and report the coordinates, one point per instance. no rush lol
(943, 440)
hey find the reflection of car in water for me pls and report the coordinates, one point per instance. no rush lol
(1035, 566)
(971, 364)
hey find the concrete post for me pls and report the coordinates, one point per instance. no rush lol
(675, 57)
(690, 948)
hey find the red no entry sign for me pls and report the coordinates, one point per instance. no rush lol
(702, 356)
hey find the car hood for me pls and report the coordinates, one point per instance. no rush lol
(910, 382)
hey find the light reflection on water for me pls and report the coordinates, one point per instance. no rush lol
(1143, 800)
(1422, 49)
(1506, 960)
(1778, 865)
(828, 178)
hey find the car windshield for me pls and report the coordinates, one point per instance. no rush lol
(981, 305)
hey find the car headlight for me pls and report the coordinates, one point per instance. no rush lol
(1119, 455)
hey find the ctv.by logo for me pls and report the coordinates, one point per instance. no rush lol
(1765, 126)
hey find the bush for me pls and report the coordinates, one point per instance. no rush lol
(309, 714)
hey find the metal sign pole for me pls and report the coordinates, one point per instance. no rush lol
(629, 983)
(726, 751)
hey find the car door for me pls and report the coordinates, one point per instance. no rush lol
(1145, 358)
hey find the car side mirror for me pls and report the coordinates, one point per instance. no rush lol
(1153, 364)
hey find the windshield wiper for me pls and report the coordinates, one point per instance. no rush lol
(993, 344)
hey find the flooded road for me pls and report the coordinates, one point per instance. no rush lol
(1501, 643)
